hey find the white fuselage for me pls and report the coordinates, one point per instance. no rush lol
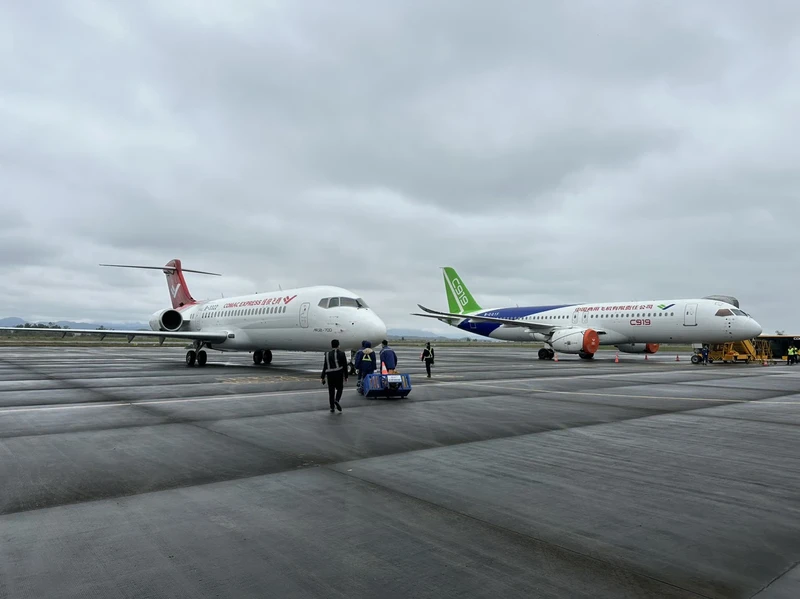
(657, 321)
(296, 320)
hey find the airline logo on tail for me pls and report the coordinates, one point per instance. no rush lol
(459, 299)
(173, 289)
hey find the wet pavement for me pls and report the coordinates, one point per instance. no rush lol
(126, 474)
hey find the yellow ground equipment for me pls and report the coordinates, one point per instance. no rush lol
(747, 351)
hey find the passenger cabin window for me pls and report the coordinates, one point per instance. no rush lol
(724, 312)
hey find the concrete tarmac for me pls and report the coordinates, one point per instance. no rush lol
(123, 473)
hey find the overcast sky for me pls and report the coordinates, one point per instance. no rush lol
(551, 152)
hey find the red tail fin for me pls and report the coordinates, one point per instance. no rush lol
(178, 290)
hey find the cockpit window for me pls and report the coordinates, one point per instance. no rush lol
(724, 312)
(345, 302)
(738, 312)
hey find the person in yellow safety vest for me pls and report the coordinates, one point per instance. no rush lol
(791, 355)
(427, 357)
(364, 363)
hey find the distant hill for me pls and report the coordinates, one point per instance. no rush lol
(11, 322)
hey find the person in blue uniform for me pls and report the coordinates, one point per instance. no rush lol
(365, 362)
(388, 357)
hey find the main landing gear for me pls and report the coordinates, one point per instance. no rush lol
(200, 356)
(260, 355)
(546, 353)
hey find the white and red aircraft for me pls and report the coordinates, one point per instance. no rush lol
(302, 319)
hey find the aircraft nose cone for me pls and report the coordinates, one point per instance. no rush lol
(372, 329)
(377, 330)
(753, 328)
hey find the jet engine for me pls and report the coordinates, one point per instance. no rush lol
(575, 341)
(638, 348)
(166, 320)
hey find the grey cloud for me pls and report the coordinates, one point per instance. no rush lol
(18, 248)
(550, 153)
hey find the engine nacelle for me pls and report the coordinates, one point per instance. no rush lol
(166, 320)
(575, 341)
(638, 348)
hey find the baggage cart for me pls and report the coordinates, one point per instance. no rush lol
(386, 385)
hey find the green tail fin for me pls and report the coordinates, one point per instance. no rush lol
(459, 299)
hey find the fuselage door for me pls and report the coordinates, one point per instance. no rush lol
(690, 315)
(304, 314)
(575, 316)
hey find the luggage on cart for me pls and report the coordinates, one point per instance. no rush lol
(386, 385)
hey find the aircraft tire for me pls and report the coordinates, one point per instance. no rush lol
(191, 356)
(544, 354)
(267, 356)
(258, 355)
(202, 358)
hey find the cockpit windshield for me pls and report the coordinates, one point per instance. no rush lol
(731, 312)
(344, 302)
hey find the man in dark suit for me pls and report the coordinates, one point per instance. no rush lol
(335, 369)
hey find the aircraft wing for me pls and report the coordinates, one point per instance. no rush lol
(537, 327)
(534, 326)
(210, 336)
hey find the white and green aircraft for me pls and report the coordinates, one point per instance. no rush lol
(637, 326)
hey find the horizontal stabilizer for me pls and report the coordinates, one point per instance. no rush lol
(163, 268)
